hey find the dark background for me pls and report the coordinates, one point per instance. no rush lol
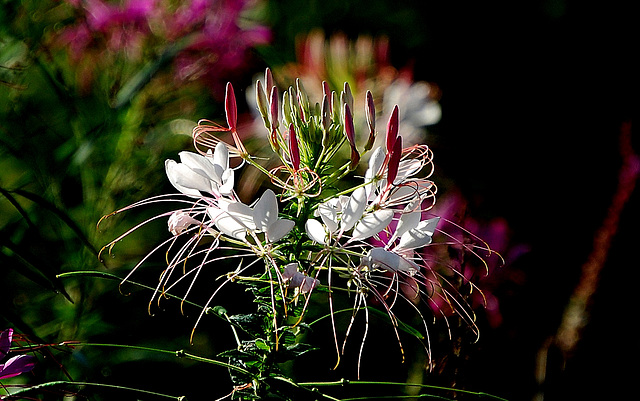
(534, 95)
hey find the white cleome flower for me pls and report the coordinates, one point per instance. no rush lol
(196, 173)
(236, 219)
(379, 258)
(179, 221)
(297, 279)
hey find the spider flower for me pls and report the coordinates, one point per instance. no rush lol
(196, 174)
(320, 225)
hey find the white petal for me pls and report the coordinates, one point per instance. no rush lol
(315, 231)
(413, 239)
(419, 236)
(180, 221)
(290, 270)
(378, 257)
(403, 194)
(308, 284)
(406, 169)
(372, 223)
(198, 163)
(279, 229)
(221, 156)
(329, 216)
(265, 211)
(227, 224)
(428, 226)
(407, 222)
(352, 213)
(186, 180)
(240, 211)
(375, 162)
(228, 180)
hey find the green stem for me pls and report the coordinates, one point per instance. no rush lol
(263, 170)
(72, 383)
(114, 277)
(179, 354)
(297, 385)
(344, 382)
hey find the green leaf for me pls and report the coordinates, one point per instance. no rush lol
(261, 344)
(251, 323)
(63, 216)
(10, 257)
(299, 349)
(401, 325)
(17, 205)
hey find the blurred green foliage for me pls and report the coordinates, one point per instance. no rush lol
(72, 151)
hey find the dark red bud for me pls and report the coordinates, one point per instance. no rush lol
(394, 161)
(231, 108)
(392, 129)
(294, 151)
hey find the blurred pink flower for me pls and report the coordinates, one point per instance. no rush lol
(496, 233)
(218, 36)
(17, 364)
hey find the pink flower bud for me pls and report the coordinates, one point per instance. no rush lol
(349, 128)
(325, 113)
(274, 108)
(274, 118)
(294, 151)
(231, 108)
(350, 131)
(348, 96)
(268, 79)
(370, 112)
(392, 129)
(325, 89)
(394, 161)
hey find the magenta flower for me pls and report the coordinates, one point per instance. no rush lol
(217, 44)
(17, 364)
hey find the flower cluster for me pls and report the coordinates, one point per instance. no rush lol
(318, 228)
(365, 64)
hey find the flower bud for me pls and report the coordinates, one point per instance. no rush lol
(268, 79)
(303, 101)
(287, 113)
(370, 112)
(325, 89)
(274, 118)
(392, 130)
(349, 130)
(231, 108)
(394, 161)
(335, 106)
(294, 105)
(261, 101)
(325, 113)
(348, 96)
(294, 151)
